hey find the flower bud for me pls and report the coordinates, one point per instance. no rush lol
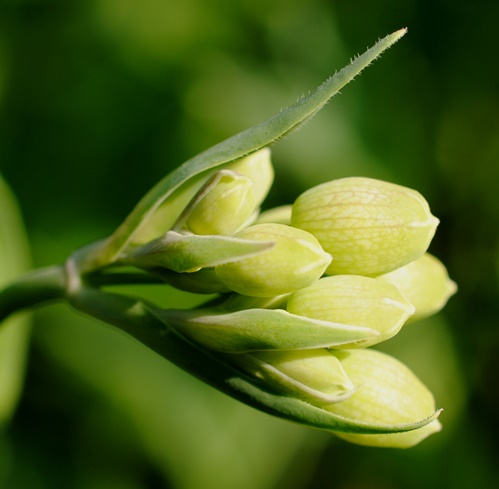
(258, 167)
(223, 206)
(389, 393)
(296, 261)
(354, 300)
(278, 215)
(316, 376)
(370, 227)
(425, 283)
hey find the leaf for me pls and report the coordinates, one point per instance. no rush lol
(14, 331)
(190, 253)
(235, 147)
(260, 329)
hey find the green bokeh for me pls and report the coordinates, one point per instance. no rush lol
(101, 98)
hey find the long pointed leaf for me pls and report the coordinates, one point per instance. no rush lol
(14, 333)
(260, 329)
(241, 144)
(190, 253)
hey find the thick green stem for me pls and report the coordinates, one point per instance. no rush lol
(58, 282)
(32, 289)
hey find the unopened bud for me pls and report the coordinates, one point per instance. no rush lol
(388, 393)
(223, 206)
(370, 227)
(296, 261)
(258, 167)
(316, 376)
(278, 215)
(354, 300)
(425, 282)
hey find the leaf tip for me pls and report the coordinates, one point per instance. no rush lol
(400, 33)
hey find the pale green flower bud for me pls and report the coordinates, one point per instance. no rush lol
(388, 393)
(370, 227)
(316, 376)
(278, 215)
(425, 282)
(296, 261)
(354, 300)
(223, 206)
(258, 167)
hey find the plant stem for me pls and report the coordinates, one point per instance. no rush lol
(33, 288)
(102, 279)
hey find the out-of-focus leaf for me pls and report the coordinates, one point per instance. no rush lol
(14, 333)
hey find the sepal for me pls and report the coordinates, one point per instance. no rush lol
(189, 253)
(259, 329)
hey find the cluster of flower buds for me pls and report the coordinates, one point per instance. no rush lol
(305, 289)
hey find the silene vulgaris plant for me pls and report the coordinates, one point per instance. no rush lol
(302, 292)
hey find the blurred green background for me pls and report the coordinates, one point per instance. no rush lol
(101, 98)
